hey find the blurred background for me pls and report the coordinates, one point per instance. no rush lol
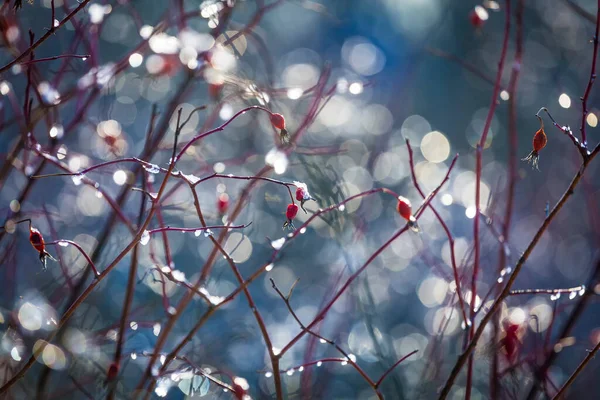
(399, 69)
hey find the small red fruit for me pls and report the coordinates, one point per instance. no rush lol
(511, 341)
(404, 208)
(478, 16)
(37, 241)
(113, 371)
(539, 142)
(278, 121)
(214, 89)
(290, 214)
(240, 388)
(302, 194)
(223, 203)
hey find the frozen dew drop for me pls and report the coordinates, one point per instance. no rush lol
(268, 374)
(319, 363)
(344, 362)
(572, 295)
(342, 207)
(63, 243)
(500, 280)
(278, 243)
(198, 232)
(300, 369)
(269, 267)
(352, 357)
(152, 168)
(133, 325)
(163, 358)
(290, 372)
(56, 132)
(14, 353)
(322, 340)
(303, 230)
(582, 290)
(145, 238)
(133, 356)
(77, 179)
(276, 350)
(179, 276)
(156, 329)
(208, 233)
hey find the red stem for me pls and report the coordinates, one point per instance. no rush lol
(588, 89)
(479, 162)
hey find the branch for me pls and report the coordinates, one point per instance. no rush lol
(462, 359)
(41, 40)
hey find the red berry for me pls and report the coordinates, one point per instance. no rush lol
(113, 371)
(300, 194)
(404, 208)
(36, 239)
(478, 16)
(539, 140)
(278, 121)
(240, 388)
(291, 212)
(511, 341)
(214, 89)
(223, 203)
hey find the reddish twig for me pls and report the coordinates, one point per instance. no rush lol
(588, 89)
(478, 168)
(446, 229)
(80, 56)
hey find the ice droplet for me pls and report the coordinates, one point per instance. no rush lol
(208, 233)
(278, 243)
(152, 168)
(63, 243)
(179, 276)
(198, 232)
(145, 238)
(77, 179)
(269, 267)
(14, 353)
